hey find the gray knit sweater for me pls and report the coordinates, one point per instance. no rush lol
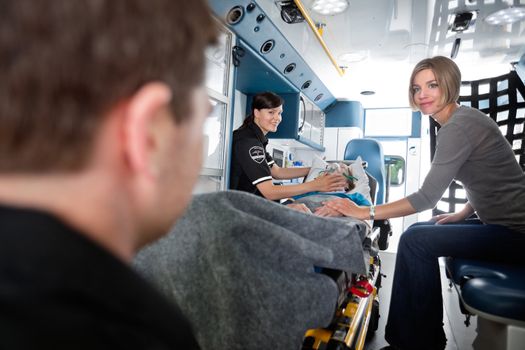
(471, 149)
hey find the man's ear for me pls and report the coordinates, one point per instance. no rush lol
(146, 104)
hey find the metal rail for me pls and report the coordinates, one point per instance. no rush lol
(312, 25)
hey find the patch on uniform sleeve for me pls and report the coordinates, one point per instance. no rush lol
(257, 154)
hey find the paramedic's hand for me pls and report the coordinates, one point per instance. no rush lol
(344, 206)
(330, 183)
(324, 211)
(299, 207)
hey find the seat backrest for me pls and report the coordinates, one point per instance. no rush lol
(370, 151)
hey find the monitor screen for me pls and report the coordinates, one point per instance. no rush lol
(278, 157)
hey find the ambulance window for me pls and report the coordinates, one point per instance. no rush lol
(388, 122)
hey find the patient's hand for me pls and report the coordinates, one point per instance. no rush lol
(299, 207)
(324, 211)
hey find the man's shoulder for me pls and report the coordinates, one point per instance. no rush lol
(74, 315)
(57, 280)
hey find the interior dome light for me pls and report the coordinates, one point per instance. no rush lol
(506, 16)
(329, 7)
(353, 57)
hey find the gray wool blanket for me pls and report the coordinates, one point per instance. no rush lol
(241, 268)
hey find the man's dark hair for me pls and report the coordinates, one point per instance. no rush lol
(64, 63)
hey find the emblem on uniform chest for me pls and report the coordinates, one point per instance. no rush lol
(257, 154)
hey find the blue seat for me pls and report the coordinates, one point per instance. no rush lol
(370, 151)
(497, 291)
(460, 270)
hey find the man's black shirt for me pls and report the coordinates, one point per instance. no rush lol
(60, 290)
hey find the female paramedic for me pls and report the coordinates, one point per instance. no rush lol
(471, 149)
(253, 169)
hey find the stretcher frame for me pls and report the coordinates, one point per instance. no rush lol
(356, 316)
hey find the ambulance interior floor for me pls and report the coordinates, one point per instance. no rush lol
(459, 337)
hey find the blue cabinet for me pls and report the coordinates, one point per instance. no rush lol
(266, 61)
(302, 121)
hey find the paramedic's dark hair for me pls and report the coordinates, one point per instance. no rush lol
(64, 63)
(447, 74)
(260, 101)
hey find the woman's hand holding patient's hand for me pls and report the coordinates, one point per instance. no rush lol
(324, 211)
(344, 206)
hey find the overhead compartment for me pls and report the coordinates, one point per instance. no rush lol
(266, 61)
(303, 121)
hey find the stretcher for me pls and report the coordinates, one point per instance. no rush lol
(357, 313)
(355, 316)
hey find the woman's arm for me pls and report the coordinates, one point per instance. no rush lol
(288, 173)
(395, 209)
(326, 183)
(452, 151)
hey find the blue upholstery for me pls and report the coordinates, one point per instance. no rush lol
(494, 289)
(370, 151)
(462, 269)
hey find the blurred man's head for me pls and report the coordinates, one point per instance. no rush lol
(65, 63)
(112, 85)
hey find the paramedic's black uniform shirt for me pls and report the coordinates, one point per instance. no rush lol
(250, 161)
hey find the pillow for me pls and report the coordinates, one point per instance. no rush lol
(361, 185)
(318, 165)
(356, 168)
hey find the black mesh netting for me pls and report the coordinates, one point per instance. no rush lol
(502, 99)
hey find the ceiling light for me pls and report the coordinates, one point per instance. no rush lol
(353, 57)
(506, 16)
(329, 7)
